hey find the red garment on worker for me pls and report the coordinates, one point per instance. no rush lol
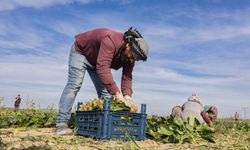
(101, 48)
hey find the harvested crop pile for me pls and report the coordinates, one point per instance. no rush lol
(115, 105)
(174, 130)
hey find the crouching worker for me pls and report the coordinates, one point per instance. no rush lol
(194, 107)
(97, 52)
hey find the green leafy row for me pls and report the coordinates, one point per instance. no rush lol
(174, 130)
(224, 125)
(27, 118)
(163, 129)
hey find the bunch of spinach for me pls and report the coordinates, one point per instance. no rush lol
(98, 104)
(175, 130)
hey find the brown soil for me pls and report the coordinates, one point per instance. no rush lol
(44, 138)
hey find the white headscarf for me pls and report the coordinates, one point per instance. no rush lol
(194, 97)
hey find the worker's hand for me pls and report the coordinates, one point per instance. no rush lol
(210, 124)
(129, 102)
(128, 98)
(119, 96)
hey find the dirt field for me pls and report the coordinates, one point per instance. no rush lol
(44, 139)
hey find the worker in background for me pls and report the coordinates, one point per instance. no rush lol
(193, 107)
(236, 116)
(17, 102)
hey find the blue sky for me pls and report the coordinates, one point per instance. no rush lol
(195, 47)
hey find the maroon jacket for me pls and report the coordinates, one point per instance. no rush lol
(101, 48)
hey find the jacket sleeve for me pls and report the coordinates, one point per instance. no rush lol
(206, 117)
(104, 60)
(126, 81)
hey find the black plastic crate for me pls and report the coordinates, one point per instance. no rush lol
(106, 124)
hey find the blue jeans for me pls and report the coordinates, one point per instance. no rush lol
(78, 64)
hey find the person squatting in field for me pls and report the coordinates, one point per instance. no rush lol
(97, 52)
(194, 107)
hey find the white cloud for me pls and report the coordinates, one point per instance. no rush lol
(13, 4)
(20, 37)
(66, 28)
(168, 38)
(40, 78)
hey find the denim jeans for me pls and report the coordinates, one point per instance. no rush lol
(78, 64)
